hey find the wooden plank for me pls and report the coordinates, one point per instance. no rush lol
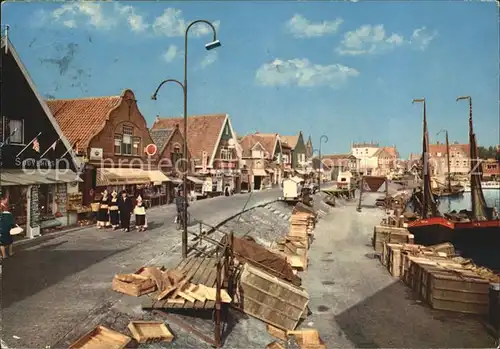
(276, 332)
(146, 331)
(199, 276)
(208, 280)
(197, 265)
(182, 267)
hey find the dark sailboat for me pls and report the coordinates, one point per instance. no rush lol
(449, 190)
(475, 233)
(431, 228)
(478, 236)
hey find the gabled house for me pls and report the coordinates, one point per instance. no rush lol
(274, 164)
(212, 146)
(254, 158)
(459, 158)
(340, 163)
(299, 152)
(111, 136)
(38, 169)
(309, 149)
(286, 160)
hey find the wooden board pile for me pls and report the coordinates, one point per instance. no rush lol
(296, 244)
(438, 277)
(171, 284)
(390, 234)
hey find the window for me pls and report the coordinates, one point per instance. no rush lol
(136, 141)
(118, 144)
(257, 154)
(226, 130)
(127, 140)
(226, 154)
(13, 131)
(176, 155)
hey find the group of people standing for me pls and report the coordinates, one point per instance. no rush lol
(116, 212)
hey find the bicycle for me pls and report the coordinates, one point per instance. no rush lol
(180, 218)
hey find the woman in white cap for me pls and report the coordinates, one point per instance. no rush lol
(103, 213)
(140, 215)
(114, 216)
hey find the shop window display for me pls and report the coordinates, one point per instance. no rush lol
(18, 203)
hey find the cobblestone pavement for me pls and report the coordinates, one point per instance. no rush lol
(57, 284)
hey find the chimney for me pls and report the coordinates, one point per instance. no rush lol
(157, 118)
(177, 126)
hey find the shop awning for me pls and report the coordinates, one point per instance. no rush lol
(157, 177)
(121, 176)
(259, 172)
(176, 180)
(297, 179)
(270, 170)
(195, 180)
(301, 172)
(20, 177)
(64, 177)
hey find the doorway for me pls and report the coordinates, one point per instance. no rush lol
(257, 182)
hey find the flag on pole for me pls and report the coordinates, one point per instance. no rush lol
(36, 145)
(53, 147)
(27, 145)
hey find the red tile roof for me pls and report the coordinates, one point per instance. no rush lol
(441, 148)
(203, 131)
(290, 140)
(268, 141)
(81, 119)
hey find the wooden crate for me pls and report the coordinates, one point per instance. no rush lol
(270, 299)
(447, 248)
(150, 331)
(388, 234)
(394, 259)
(133, 284)
(101, 338)
(462, 292)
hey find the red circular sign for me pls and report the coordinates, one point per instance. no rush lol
(151, 149)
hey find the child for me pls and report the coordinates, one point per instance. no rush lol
(6, 224)
(114, 217)
(140, 215)
(103, 213)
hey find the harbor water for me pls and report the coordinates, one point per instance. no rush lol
(447, 204)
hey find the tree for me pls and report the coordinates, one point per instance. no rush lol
(487, 153)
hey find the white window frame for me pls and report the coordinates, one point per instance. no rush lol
(119, 138)
(136, 150)
(226, 154)
(129, 135)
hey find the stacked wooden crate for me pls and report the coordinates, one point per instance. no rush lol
(439, 278)
(296, 244)
(389, 234)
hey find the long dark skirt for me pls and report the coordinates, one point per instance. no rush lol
(102, 215)
(125, 220)
(140, 220)
(114, 217)
(5, 238)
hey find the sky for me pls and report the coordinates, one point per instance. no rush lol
(348, 70)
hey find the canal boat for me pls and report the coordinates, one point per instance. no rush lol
(476, 232)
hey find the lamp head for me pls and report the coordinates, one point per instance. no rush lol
(212, 45)
(153, 97)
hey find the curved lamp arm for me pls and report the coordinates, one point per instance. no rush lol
(153, 97)
(202, 21)
(323, 137)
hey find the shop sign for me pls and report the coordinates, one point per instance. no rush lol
(33, 164)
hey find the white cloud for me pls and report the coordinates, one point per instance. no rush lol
(303, 73)
(171, 53)
(172, 24)
(369, 39)
(301, 27)
(135, 21)
(421, 38)
(209, 59)
(98, 15)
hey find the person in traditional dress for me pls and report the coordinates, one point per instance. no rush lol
(103, 213)
(125, 208)
(114, 216)
(140, 215)
(7, 222)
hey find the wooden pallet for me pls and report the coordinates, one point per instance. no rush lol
(199, 271)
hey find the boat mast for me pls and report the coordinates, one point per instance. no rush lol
(478, 203)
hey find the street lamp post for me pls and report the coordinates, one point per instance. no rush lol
(325, 138)
(210, 46)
